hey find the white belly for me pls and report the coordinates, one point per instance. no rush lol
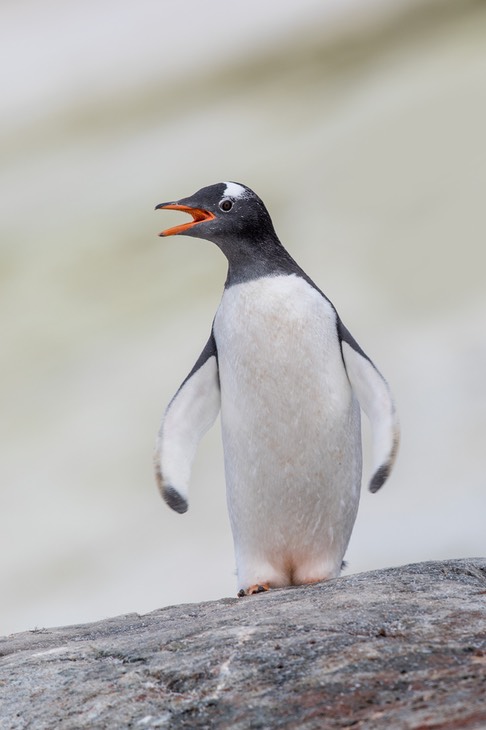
(291, 431)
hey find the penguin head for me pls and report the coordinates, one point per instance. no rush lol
(223, 213)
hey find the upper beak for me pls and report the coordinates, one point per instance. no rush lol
(198, 215)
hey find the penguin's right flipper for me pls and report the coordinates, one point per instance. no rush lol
(191, 412)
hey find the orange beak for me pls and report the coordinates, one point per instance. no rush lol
(198, 216)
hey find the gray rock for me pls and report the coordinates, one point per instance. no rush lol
(397, 648)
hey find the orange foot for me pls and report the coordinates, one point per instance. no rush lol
(257, 588)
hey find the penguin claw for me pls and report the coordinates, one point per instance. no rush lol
(257, 588)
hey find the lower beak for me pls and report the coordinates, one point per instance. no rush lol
(198, 216)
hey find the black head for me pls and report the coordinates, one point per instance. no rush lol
(234, 218)
(222, 211)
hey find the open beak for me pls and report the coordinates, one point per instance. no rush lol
(198, 216)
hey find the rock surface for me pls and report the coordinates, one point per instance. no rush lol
(397, 648)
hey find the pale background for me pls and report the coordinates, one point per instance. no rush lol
(362, 126)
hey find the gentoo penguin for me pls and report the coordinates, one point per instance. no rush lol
(289, 379)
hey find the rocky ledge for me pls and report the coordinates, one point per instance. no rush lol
(398, 648)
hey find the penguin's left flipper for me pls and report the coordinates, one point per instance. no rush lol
(191, 412)
(375, 398)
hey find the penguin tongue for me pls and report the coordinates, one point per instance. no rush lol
(198, 215)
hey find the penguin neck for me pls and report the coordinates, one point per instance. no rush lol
(254, 260)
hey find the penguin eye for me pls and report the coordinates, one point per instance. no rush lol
(226, 204)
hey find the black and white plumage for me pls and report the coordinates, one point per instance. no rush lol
(289, 380)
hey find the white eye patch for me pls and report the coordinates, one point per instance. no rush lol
(233, 190)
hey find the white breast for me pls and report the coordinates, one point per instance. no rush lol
(290, 425)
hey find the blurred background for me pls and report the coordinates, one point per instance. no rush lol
(361, 124)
